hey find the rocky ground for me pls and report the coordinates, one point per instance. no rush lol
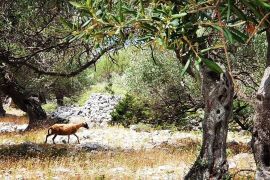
(115, 139)
(123, 153)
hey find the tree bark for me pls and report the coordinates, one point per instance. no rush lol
(2, 111)
(261, 131)
(59, 98)
(22, 99)
(218, 93)
(42, 97)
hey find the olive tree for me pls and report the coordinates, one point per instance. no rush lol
(184, 28)
(201, 34)
(32, 39)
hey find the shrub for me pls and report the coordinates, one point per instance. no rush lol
(130, 110)
(49, 107)
(159, 84)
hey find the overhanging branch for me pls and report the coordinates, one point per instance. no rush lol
(6, 59)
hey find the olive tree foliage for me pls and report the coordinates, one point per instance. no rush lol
(32, 36)
(200, 33)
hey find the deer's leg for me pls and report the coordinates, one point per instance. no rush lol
(77, 138)
(47, 137)
(54, 138)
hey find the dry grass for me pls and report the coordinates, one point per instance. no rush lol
(67, 162)
(15, 119)
(35, 136)
(14, 115)
(14, 111)
(85, 165)
(62, 161)
(57, 161)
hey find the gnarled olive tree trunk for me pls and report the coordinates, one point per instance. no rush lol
(261, 131)
(59, 95)
(2, 111)
(22, 99)
(218, 93)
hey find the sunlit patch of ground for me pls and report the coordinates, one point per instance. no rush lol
(63, 161)
(15, 119)
(14, 111)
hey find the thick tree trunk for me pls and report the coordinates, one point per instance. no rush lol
(261, 131)
(42, 97)
(28, 104)
(218, 93)
(59, 98)
(2, 111)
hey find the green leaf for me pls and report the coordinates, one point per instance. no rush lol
(73, 39)
(89, 3)
(149, 27)
(229, 9)
(77, 5)
(142, 8)
(99, 12)
(238, 33)
(129, 11)
(217, 28)
(177, 16)
(175, 22)
(197, 64)
(86, 23)
(263, 3)
(228, 35)
(115, 18)
(161, 42)
(146, 38)
(237, 38)
(66, 23)
(213, 66)
(239, 13)
(120, 11)
(185, 67)
(210, 48)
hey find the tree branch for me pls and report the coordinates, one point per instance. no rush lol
(5, 58)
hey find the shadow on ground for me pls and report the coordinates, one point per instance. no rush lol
(29, 149)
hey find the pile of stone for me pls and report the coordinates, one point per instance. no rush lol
(66, 112)
(96, 111)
